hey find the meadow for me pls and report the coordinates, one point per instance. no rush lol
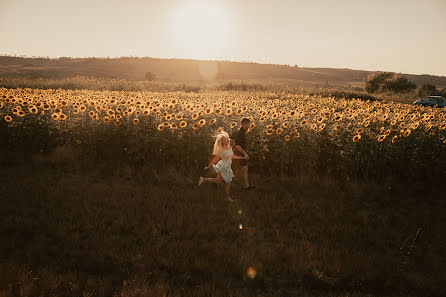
(99, 195)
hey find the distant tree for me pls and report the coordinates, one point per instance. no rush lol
(398, 84)
(150, 76)
(374, 81)
(388, 81)
(428, 90)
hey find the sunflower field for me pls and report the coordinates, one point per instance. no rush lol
(290, 134)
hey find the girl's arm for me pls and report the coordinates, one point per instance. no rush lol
(238, 157)
(213, 161)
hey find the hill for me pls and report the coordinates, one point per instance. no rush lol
(135, 68)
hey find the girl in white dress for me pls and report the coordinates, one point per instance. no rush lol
(224, 155)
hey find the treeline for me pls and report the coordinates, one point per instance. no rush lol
(381, 82)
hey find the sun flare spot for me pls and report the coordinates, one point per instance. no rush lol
(201, 28)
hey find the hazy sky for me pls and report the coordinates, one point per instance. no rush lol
(405, 36)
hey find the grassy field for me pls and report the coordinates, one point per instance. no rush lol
(99, 196)
(134, 233)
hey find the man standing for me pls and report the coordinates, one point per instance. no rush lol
(239, 145)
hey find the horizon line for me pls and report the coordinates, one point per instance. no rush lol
(204, 60)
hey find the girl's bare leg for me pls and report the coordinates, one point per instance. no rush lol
(227, 189)
(244, 172)
(216, 180)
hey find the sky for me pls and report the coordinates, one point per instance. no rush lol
(402, 36)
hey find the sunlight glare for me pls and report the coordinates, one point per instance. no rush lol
(201, 28)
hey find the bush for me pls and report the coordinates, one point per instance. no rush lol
(374, 81)
(150, 76)
(388, 82)
(427, 90)
(398, 84)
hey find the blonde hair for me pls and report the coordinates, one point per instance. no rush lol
(217, 145)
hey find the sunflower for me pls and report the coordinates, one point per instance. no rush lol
(8, 118)
(228, 111)
(442, 126)
(213, 121)
(337, 117)
(183, 124)
(303, 123)
(160, 127)
(233, 124)
(356, 138)
(406, 132)
(62, 116)
(55, 116)
(117, 123)
(394, 138)
(135, 121)
(381, 138)
(33, 109)
(106, 119)
(269, 131)
(287, 138)
(285, 124)
(195, 126)
(202, 122)
(279, 131)
(91, 113)
(296, 135)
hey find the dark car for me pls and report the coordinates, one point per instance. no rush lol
(432, 101)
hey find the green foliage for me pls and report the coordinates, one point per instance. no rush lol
(374, 81)
(388, 82)
(398, 84)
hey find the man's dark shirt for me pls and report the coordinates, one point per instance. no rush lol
(240, 138)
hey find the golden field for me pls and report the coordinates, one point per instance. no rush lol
(289, 133)
(100, 197)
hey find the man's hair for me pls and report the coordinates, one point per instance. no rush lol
(245, 120)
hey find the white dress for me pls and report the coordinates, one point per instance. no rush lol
(224, 165)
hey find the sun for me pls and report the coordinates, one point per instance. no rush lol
(201, 28)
